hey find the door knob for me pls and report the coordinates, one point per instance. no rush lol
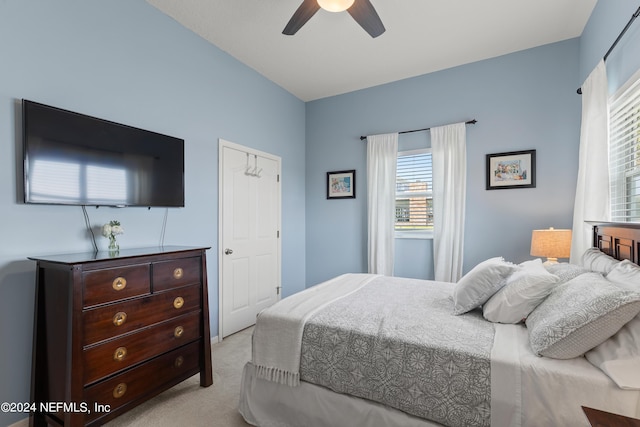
(228, 251)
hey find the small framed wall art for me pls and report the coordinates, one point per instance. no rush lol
(516, 169)
(341, 184)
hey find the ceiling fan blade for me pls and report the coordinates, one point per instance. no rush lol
(307, 9)
(365, 14)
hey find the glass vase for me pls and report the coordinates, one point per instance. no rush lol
(113, 245)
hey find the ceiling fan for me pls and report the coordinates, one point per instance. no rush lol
(361, 10)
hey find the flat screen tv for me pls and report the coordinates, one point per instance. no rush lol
(74, 159)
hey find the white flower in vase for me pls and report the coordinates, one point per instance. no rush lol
(111, 230)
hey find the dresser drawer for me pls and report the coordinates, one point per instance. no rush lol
(115, 355)
(113, 284)
(109, 321)
(135, 383)
(174, 273)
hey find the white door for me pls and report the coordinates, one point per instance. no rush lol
(249, 246)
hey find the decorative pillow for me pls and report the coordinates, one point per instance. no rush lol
(619, 356)
(596, 260)
(478, 285)
(564, 271)
(626, 274)
(579, 315)
(525, 289)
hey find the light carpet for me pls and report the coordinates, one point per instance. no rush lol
(189, 405)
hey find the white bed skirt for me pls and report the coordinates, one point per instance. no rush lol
(268, 404)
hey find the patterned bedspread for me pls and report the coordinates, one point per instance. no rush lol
(396, 342)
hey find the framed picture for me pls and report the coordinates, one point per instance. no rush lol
(516, 169)
(341, 185)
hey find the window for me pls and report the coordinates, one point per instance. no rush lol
(414, 203)
(624, 154)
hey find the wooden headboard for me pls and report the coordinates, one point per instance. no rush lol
(619, 240)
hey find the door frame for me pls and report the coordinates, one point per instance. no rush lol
(222, 144)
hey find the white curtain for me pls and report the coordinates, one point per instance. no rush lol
(592, 189)
(449, 153)
(382, 158)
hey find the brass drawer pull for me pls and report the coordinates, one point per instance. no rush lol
(178, 273)
(119, 283)
(178, 331)
(120, 354)
(178, 362)
(119, 390)
(119, 318)
(178, 302)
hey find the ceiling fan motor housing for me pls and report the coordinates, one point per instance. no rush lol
(335, 5)
(361, 10)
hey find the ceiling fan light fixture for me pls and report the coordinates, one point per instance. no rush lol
(335, 5)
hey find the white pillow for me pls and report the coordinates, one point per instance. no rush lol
(565, 271)
(478, 285)
(596, 260)
(526, 288)
(626, 274)
(619, 356)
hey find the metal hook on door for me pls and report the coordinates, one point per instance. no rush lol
(249, 171)
(256, 171)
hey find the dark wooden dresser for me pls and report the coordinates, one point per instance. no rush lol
(113, 330)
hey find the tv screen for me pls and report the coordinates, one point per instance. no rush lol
(74, 159)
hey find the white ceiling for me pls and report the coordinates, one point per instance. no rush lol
(331, 54)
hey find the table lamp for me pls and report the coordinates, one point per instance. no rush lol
(551, 243)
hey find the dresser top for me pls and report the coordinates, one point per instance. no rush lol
(85, 257)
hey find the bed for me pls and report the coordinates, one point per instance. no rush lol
(508, 345)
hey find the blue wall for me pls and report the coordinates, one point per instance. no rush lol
(522, 101)
(125, 61)
(605, 24)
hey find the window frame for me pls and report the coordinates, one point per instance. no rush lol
(415, 234)
(619, 175)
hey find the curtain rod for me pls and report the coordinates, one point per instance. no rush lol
(624, 30)
(470, 122)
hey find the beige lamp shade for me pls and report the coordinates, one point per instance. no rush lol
(551, 243)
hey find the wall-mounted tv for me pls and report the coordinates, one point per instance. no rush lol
(75, 159)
